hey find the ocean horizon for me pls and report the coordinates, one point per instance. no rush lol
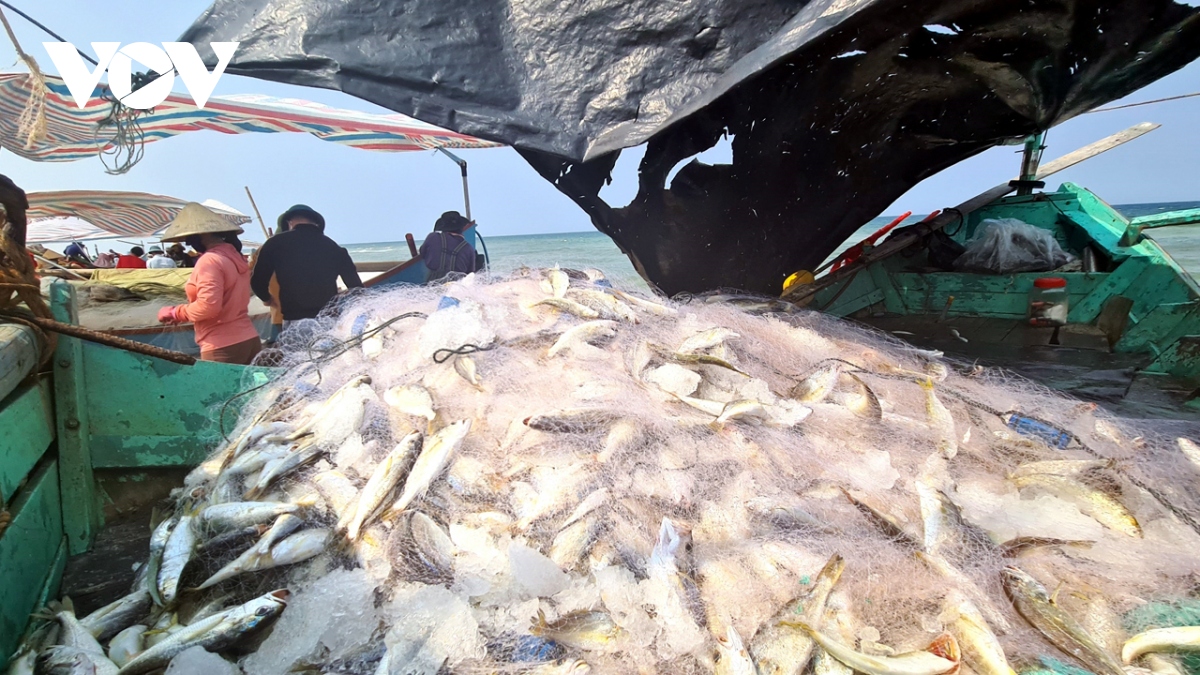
(582, 250)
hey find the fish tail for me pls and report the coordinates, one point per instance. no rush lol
(833, 568)
(798, 624)
(539, 624)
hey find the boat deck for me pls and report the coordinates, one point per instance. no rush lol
(1085, 371)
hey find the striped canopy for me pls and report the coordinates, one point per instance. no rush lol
(64, 229)
(98, 214)
(74, 133)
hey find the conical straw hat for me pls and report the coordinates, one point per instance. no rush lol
(196, 219)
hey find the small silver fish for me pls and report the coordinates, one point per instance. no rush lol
(645, 305)
(465, 367)
(117, 615)
(434, 458)
(569, 307)
(818, 385)
(237, 515)
(218, 631)
(383, 481)
(158, 543)
(411, 399)
(582, 334)
(177, 554)
(606, 305)
(706, 340)
(1061, 629)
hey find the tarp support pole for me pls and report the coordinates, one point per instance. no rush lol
(462, 164)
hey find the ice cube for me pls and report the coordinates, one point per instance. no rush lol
(198, 661)
(534, 573)
(335, 614)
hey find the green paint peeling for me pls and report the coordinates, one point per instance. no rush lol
(1164, 296)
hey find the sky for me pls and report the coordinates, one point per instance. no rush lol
(372, 196)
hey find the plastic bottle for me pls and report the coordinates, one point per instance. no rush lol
(1028, 426)
(1048, 302)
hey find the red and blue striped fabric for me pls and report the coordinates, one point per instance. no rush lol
(132, 214)
(74, 133)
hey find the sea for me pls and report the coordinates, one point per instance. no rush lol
(581, 250)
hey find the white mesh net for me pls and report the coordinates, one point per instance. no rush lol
(541, 474)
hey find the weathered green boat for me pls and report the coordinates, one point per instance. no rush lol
(88, 429)
(1131, 307)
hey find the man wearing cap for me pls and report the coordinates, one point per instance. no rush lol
(445, 250)
(218, 290)
(157, 261)
(306, 264)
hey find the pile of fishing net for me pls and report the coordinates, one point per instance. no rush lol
(545, 474)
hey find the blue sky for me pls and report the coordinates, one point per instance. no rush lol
(368, 196)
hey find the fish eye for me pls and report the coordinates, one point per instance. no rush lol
(262, 611)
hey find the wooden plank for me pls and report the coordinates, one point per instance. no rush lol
(1184, 217)
(27, 419)
(151, 412)
(1181, 358)
(27, 553)
(1158, 285)
(850, 296)
(1103, 145)
(979, 294)
(892, 301)
(1114, 283)
(1156, 330)
(125, 452)
(80, 508)
(18, 355)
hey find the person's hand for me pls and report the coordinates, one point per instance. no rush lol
(167, 315)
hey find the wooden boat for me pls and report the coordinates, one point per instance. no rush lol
(1130, 305)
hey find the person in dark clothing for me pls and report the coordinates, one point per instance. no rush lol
(305, 262)
(445, 250)
(180, 256)
(77, 253)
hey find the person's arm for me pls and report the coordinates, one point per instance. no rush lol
(210, 288)
(260, 278)
(348, 272)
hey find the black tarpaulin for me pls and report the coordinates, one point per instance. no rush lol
(836, 107)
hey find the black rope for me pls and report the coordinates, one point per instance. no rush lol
(47, 30)
(444, 354)
(315, 357)
(962, 221)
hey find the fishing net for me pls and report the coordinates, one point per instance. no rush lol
(644, 483)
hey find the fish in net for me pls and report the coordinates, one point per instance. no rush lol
(541, 473)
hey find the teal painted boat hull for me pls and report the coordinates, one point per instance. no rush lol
(1159, 332)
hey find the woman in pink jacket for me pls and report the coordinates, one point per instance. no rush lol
(218, 290)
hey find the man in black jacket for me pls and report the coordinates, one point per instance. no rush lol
(306, 263)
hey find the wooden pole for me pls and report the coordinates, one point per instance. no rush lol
(260, 218)
(65, 269)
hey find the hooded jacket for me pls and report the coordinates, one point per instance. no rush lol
(218, 293)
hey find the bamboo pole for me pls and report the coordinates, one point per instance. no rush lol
(260, 218)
